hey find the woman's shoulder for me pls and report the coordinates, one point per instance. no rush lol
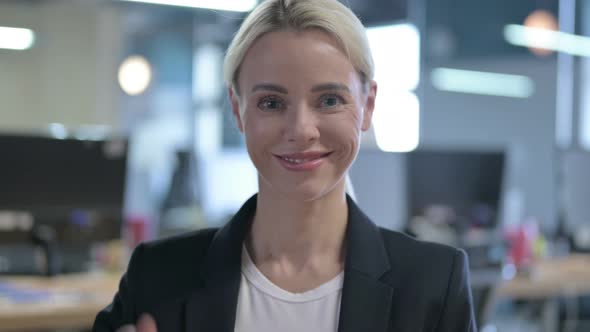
(410, 255)
(399, 240)
(171, 265)
(195, 243)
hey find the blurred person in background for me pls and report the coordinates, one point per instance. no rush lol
(300, 255)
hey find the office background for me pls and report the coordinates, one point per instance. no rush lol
(120, 107)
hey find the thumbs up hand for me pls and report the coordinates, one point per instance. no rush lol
(145, 323)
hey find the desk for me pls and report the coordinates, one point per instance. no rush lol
(567, 276)
(76, 299)
(549, 280)
(63, 302)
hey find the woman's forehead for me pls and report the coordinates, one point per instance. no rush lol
(303, 55)
(295, 39)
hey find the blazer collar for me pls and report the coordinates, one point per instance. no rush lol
(365, 303)
(213, 308)
(224, 256)
(365, 251)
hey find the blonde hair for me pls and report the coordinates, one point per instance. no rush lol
(275, 15)
(348, 187)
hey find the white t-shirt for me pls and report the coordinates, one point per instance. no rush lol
(265, 307)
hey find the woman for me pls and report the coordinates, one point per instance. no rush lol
(300, 255)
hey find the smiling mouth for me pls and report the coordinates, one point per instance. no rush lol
(302, 162)
(301, 158)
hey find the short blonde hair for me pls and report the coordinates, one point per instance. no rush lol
(276, 15)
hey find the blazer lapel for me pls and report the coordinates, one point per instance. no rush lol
(213, 307)
(365, 305)
(366, 301)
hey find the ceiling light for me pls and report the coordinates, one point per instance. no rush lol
(483, 83)
(396, 53)
(541, 19)
(135, 74)
(396, 118)
(228, 5)
(396, 121)
(16, 38)
(541, 38)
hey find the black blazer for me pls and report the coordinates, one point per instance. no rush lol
(391, 281)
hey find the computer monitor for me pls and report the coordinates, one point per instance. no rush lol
(469, 183)
(75, 186)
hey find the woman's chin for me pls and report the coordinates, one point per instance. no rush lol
(303, 192)
(304, 196)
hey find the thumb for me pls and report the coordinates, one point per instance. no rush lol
(146, 323)
(127, 328)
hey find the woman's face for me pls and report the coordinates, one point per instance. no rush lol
(302, 107)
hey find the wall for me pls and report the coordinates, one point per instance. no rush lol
(69, 75)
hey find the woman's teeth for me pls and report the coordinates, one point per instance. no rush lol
(294, 161)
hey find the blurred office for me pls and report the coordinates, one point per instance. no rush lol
(115, 128)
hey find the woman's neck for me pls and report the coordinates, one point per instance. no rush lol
(301, 234)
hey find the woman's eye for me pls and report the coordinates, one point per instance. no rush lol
(331, 101)
(270, 104)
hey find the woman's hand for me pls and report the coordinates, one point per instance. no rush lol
(145, 323)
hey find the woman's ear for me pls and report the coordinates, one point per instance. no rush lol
(369, 106)
(235, 106)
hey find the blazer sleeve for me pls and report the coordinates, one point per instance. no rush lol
(122, 310)
(457, 313)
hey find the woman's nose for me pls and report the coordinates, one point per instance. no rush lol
(301, 125)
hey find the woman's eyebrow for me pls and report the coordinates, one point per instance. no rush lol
(316, 88)
(330, 86)
(270, 87)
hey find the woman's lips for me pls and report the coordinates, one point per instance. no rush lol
(303, 161)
